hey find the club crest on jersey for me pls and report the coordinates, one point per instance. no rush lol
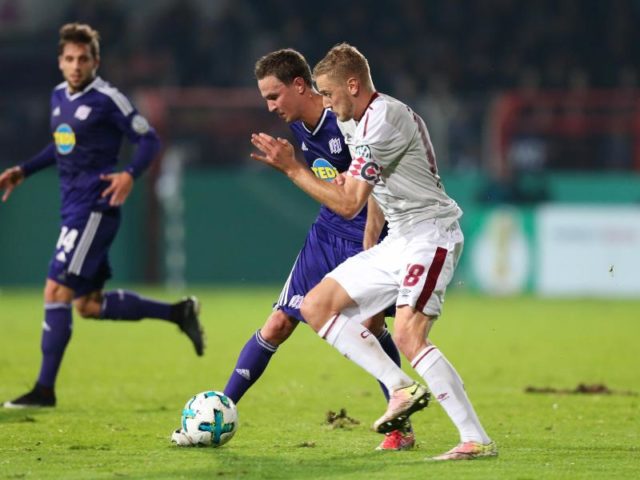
(335, 146)
(82, 112)
(140, 125)
(64, 138)
(324, 170)
(363, 151)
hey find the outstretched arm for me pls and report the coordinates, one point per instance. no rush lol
(14, 176)
(10, 179)
(346, 200)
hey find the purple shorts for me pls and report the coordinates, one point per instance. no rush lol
(322, 252)
(81, 257)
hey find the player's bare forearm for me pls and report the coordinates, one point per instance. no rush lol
(10, 179)
(346, 200)
(332, 195)
(375, 224)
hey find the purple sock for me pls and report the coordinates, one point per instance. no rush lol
(386, 342)
(56, 332)
(252, 361)
(124, 305)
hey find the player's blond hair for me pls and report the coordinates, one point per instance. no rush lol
(344, 61)
(80, 33)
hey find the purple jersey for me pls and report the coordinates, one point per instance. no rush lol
(87, 129)
(327, 155)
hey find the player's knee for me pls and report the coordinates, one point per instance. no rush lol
(87, 307)
(376, 324)
(278, 328)
(56, 293)
(310, 309)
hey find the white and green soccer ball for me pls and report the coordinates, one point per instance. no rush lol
(209, 419)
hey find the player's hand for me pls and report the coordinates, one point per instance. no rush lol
(120, 187)
(10, 179)
(277, 152)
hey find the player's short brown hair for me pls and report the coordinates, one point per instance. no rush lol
(80, 33)
(344, 61)
(285, 64)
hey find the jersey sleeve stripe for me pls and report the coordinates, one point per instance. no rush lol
(119, 99)
(88, 235)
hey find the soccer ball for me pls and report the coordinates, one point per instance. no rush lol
(209, 418)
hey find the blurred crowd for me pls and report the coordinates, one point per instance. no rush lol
(472, 46)
(444, 57)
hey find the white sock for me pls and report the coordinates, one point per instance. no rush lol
(359, 345)
(447, 387)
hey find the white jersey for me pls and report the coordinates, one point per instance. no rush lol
(391, 150)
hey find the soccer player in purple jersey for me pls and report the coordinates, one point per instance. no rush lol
(89, 117)
(284, 80)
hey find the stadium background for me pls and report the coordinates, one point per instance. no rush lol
(533, 109)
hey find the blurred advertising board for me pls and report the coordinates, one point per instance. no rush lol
(555, 250)
(589, 250)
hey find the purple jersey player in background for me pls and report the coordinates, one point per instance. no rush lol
(284, 80)
(88, 121)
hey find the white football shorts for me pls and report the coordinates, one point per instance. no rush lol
(410, 269)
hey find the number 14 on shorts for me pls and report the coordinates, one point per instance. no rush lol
(66, 242)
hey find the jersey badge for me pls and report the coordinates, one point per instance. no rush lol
(139, 124)
(363, 151)
(65, 139)
(323, 169)
(335, 146)
(363, 166)
(56, 112)
(82, 112)
(304, 147)
(370, 171)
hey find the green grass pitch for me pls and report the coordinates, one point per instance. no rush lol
(123, 385)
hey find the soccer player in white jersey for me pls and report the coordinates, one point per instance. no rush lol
(394, 161)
